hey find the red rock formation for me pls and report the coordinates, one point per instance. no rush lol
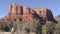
(57, 18)
(25, 14)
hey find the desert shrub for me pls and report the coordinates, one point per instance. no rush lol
(57, 28)
(8, 26)
(50, 27)
(1, 26)
(38, 28)
(44, 29)
(27, 29)
(33, 27)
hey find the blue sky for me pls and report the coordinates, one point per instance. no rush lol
(53, 5)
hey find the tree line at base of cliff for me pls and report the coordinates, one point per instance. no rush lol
(37, 28)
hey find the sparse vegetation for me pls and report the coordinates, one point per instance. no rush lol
(37, 28)
(57, 28)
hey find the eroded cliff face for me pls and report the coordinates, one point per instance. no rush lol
(26, 14)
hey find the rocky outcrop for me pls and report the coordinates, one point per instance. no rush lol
(57, 18)
(26, 14)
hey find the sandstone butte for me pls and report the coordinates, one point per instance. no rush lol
(26, 14)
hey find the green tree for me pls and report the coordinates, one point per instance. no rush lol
(2, 26)
(50, 26)
(57, 28)
(38, 28)
(8, 26)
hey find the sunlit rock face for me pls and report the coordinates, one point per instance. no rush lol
(26, 14)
